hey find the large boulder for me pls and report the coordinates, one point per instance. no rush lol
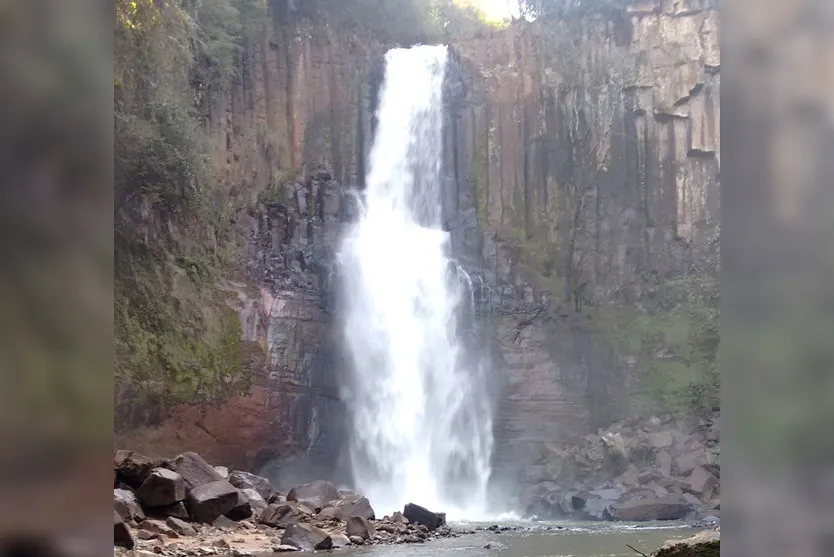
(315, 495)
(358, 526)
(663, 462)
(353, 505)
(162, 487)
(642, 510)
(701, 483)
(158, 527)
(421, 515)
(195, 471)
(127, 505)
(256, 501)
(687, 462)
(208, 501)
(177, 510)
(339, 541)
(242, 509)
(281, 515)
(661, 439)
(328, 514)
(247, 480)
(131, 468)
(121, 533)
(306, 537)
(181, 527)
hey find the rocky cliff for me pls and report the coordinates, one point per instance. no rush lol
(302, 95)
(582, 163)
(588, 152)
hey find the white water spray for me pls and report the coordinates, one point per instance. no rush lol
(422, 427)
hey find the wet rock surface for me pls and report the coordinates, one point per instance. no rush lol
(220, 518)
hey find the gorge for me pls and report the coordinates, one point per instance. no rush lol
(577, 181)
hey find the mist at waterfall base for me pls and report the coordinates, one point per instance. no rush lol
(420, 420)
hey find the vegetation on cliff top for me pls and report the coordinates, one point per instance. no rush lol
(174, 239)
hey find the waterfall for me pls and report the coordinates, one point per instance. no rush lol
(421, 425)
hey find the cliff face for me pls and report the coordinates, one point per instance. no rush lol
(589, 150)
(303, 96)
(581, 161)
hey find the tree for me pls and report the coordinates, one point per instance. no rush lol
(564, 9)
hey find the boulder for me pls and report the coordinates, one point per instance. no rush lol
(687, 462)
(354, 506)
(398, 518)
(306, 537)
(358, 526)
(281, 515)
(256, 501)
(701, 483)
(194, 470)
(668, 508)
(356, 540)
(663, 462)
(243, 508)
(121, 533)
(339, 540)
(127, 505)
(285, 548)
(177, 510)
(246, 480)
(181, 527)
(223, 522)
(315, 495)
(162, 487)
(210, 500)
(661, 439)
(421, 515)
(158, 527)
(143, 534)
(223, 471)
(328, 513)
(629, 478)
(131, 468)
(657, 489)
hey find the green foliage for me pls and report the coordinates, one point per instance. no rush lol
(675, 343)
(175, 236)
(567, 9)
(276, 191)
(706, 549)
(403, 22)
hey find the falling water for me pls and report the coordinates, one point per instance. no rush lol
(421, 425)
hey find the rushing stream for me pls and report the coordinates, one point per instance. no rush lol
(421, 425)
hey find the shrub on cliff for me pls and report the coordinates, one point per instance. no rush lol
(174, 240)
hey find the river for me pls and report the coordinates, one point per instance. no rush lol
(574, 539)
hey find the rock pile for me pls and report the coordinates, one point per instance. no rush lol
(184, 506)
(638, 471)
